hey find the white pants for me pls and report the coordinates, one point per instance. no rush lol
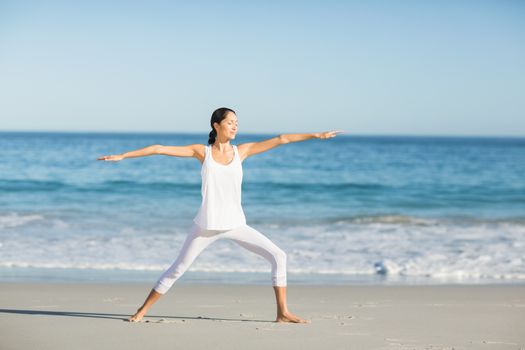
(246, 236)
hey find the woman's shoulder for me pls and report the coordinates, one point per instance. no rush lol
(200, 151)
(242, 150)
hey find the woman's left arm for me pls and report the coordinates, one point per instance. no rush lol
(252, 148)
(287, 138)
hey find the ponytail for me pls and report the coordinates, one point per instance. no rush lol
(213, 135)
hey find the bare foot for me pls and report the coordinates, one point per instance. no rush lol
(289, 317)
(138, 315)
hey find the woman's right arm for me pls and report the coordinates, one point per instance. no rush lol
(176, 151)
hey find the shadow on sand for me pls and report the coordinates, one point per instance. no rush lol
(119, 316)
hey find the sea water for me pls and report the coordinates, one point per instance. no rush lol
(351, 209)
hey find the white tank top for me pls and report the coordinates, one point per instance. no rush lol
(221, 193)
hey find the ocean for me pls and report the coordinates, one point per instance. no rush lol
(346, 210)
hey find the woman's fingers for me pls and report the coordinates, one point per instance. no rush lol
(110, 158)
(330, 134)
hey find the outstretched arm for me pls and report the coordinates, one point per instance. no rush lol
(176, 151)
(252, 148)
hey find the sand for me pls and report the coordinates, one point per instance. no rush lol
(204, 316)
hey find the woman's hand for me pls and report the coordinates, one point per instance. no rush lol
(112, 158)
(328, 134)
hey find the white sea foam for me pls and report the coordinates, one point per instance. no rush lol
(392, 247)
(9, 220)
(391, 219)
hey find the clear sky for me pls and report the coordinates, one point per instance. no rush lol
(366, 67)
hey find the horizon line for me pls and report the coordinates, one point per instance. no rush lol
(344, 134)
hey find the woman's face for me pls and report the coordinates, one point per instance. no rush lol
(228, 126)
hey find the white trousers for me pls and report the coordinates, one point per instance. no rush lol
(246, 236)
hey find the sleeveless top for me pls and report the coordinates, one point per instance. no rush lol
(221, 193)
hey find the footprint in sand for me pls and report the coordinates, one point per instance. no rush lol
(337, 317)
(163, 320)
(366, 304)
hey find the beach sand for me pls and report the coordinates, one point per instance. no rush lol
(203, 316)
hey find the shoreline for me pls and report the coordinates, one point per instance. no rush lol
(225, 316)
(90, 275)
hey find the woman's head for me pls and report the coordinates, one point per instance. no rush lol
(223, 122)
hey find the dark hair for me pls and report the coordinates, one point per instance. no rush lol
(217, 116)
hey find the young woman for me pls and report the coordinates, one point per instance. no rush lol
(221, 215)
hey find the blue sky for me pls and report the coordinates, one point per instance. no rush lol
(366, 67)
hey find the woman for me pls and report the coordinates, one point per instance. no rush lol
(221, 214)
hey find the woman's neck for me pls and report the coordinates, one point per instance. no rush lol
(222, 145)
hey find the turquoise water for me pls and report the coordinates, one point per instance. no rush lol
(348, 209)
